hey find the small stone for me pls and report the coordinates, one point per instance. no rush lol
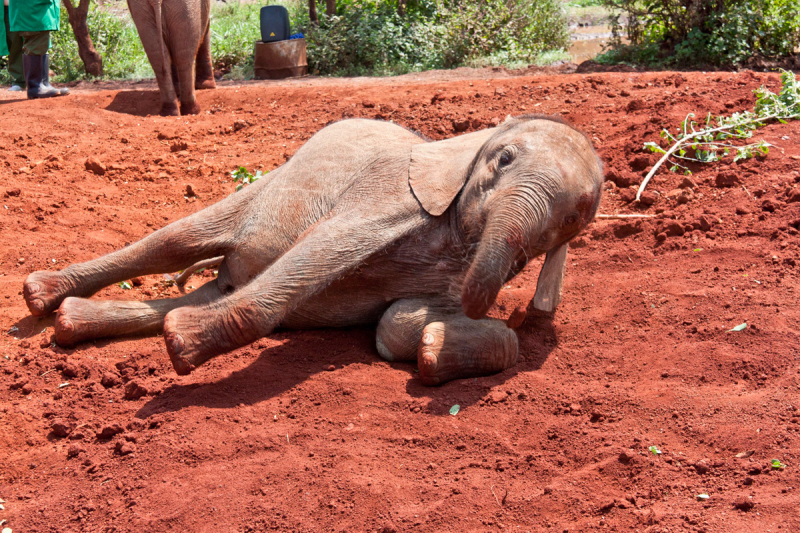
(330, 368)
(726, 179)
(124, 448)
(109, 431)
(687, 183)
(70, 371)
(769, 206)
(648, 198)
(742, 210)
(460, 125)
(75, 450)
(743, 503)
(134, 390)
(92, 164)
(625, 457)
(27, 388)
(21, 260)
(639, 163)
(62, 428)
(190, 191)
(110, 380)
(13, 192)
(178, 146)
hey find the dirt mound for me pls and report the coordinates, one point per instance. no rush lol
(311, 431)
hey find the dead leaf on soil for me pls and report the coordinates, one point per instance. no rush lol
(745, 455)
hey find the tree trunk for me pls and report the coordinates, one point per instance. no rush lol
(330, 7)
(312, 12)
(401, 7)
(92, 62)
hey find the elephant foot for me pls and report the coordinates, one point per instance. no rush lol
(44, 291)
(190, 108)
(74, 322)
(205, 84)
(193, 335)
(464, 348)
(169, 110)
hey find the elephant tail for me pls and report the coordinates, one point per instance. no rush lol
(165, 70)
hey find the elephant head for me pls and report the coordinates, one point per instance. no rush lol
(520, 190)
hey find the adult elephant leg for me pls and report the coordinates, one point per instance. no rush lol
(327, 251)
(183, 31)
(207, 233)
(401, 326)
(79, 319)
(146, 16)
(204, 68)
(459, 347)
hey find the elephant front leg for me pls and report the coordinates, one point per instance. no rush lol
(446, 344)
(464, 348)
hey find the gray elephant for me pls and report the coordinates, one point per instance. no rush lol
(367, 223)
(176, 37)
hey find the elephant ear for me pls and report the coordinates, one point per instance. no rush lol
(439, 169)
(551, 280)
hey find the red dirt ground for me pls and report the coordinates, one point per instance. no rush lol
(311, 431)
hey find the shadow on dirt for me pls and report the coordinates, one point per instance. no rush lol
(303, 354)
(137, 103)
(30, 326)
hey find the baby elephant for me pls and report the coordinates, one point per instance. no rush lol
(367, 224)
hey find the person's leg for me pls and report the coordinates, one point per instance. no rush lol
(14, 43)
(34, 47)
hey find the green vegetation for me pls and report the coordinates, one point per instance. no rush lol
(721, 33)
(713, 140)
(370, 37)
(243, 176)
(365, 37)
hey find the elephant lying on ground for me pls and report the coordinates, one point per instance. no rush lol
(366, 224)
(177, 40)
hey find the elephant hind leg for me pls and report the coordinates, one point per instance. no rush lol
(204, 68)
(446, 344)
(79, 319)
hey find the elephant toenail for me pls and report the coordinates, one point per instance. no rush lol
(37, 305)
(175, 344)
(429, 360)
(66, 325)
(428, 339)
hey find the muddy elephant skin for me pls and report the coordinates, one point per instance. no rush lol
(366, 224)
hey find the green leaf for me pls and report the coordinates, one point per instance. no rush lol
(740, 327)
(654, 450)
(455, 409)
(126, 285)
(777, 464)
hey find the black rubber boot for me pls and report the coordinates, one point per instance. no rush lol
(32, 65)
(46, 76)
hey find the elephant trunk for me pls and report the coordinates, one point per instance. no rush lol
(500, 245)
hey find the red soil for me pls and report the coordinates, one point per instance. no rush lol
(311, 431)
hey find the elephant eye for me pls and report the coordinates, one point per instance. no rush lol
(570, 219)
(505, 160)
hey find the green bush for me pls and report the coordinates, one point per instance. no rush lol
(369, 37)
(713, 32)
